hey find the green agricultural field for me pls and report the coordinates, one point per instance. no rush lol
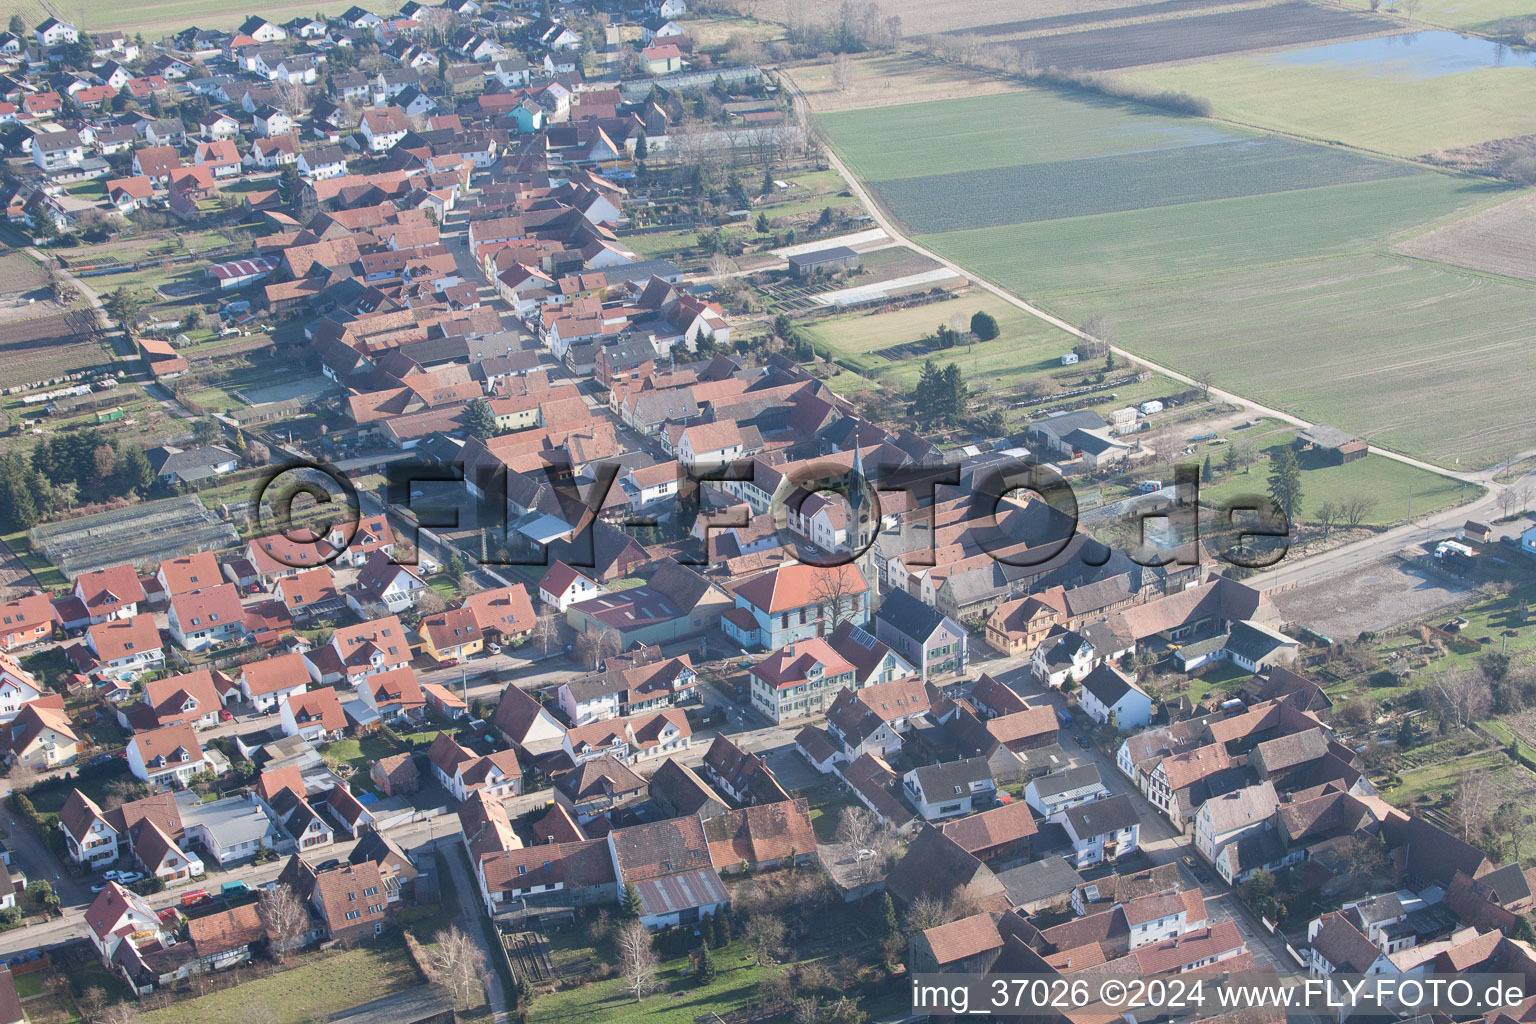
(1029, 126)
(1267, 271)
(1126, 181)
(1116, 250)
(1398, 352)
(1403, 114)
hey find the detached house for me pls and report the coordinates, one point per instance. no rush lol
(169, 756)
(365, 649)
(17, 688)
(315, 715)
(267, 683)
(125, 647)
(187, 699)
(107, 594)
(382, 128)
(383, 583)
(25, 620)
(41, 735)
(1109, 696)
(1104, 830)
(204, 618)
(950, 789)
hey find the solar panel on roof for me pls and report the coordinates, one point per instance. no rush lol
(862, 638)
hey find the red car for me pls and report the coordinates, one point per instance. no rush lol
(226, 715)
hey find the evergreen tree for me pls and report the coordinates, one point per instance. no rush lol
(984, 326)
(1285, 482)
(455, 567)
(18, 510)
(1230, 462)
(956, 394)
(707, 970)
(124, 307)
(134, 473)
(642, 149)
(1207, 473)
(722, 931)
(18, 26)
(479, 420)
(763, 227)
(630, 907)
(887, 924)
(927, 399)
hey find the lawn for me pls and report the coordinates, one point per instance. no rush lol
(1375, 476)
(47, 574)
(1475, 15)
(322, 984)
(1440, 778)
(29, 984)
(679, 1000)
(361, 754)
(1383, 109)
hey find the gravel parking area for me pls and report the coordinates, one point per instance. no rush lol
(1375, 597)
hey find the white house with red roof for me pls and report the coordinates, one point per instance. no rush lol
(17, 688)
(202, 618)
(113, 593)
(266, 683)
(354, 547)
(365, 649)
(563, 586)
(190, 699)
(118, 915)
(188, 573)
(394, 693)
(124, 647)
(277, 555)
(315, 715)
(384, 583)
(171, 755)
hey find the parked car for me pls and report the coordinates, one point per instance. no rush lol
(129, 877)
(98, 887)
(115, 876)
(494, 648)
(235, 888)
(226, 715)
(1082, 741)
(328, 865)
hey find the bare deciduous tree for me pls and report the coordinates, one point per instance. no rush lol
(459, 963)
(257, 1012)
(120, 1012)
(286, 918)
(1463, 695)
(1473, 804)
(638, 962)
(833, 589)
(807, 1010)
(842, 72)
(545, 631)
(430, 602)
(1508, 500)
(926, 912)
(765, 934)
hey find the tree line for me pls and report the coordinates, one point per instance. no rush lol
(66, 471)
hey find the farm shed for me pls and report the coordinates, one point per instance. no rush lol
(823, 261)
(237, 274)
(1336, 445)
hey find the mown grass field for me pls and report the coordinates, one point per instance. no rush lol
(322, 984)
(1474, 15)
(1401, 114)
(1375, 476)
(1439, 778)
